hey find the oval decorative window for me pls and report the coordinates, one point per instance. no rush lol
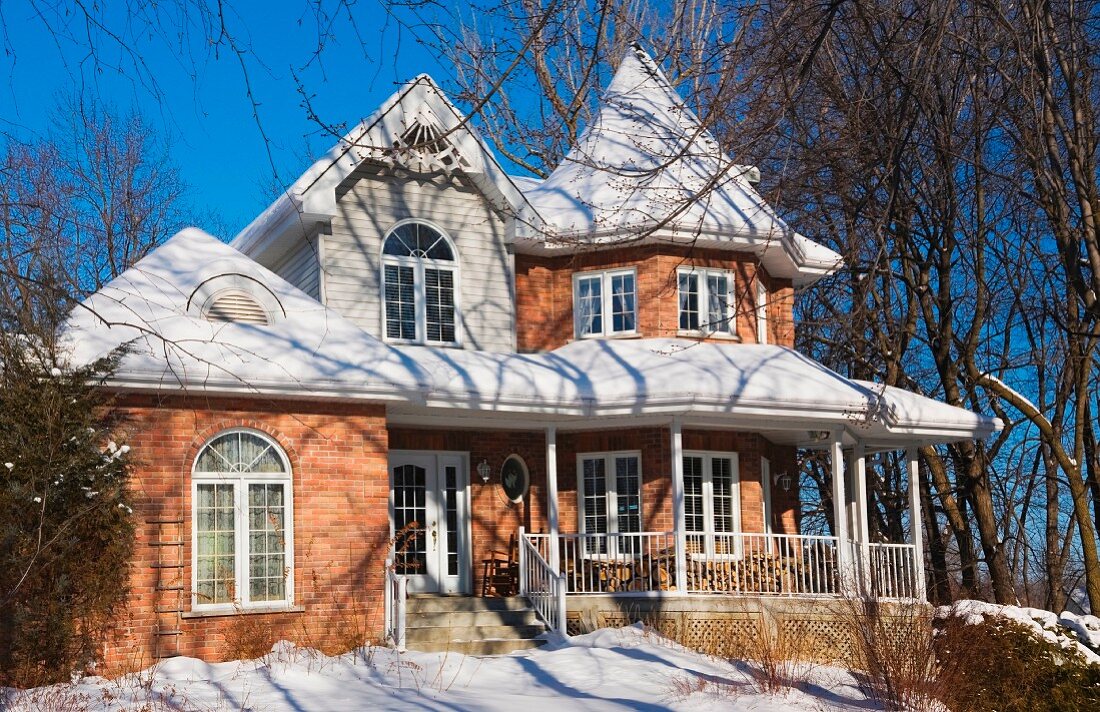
(514, 478)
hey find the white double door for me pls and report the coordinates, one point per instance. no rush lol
(429, 512)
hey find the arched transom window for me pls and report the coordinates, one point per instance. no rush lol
(243, 542)
(419, 274)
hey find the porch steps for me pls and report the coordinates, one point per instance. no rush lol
(471, 625)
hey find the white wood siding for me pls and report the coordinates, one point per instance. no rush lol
(373, 204)
(301, 268)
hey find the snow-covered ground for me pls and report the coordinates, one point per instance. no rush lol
(611, 669)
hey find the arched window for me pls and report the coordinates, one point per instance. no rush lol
(419, 276)
(242, 550)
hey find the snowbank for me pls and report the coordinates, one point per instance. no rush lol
(611, 669)
(1068, 631)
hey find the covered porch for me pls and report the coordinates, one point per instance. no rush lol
(700, 556)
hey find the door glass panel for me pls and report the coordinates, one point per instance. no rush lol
(410, 519)
(450, 498)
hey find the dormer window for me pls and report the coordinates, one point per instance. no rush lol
(605, 303)
(419, 276)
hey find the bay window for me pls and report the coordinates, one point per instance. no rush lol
(242, 550)
(605, 303)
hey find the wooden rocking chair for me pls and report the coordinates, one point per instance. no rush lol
(500, 571)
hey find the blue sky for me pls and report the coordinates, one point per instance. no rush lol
(195, 92)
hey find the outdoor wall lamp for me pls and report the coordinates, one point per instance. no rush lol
(484, 470)
(783, 480)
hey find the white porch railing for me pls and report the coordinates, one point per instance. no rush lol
(395, 606)
(892, 571)
(543, 587)
(738, 564)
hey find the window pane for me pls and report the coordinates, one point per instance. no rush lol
(595, 503)
(400, 293)
(439, 290)
(622, 303)
(401, 241)
(693, 494)
(718, 303)
(689, 301)
(214, 531)
(588, 306)
(722, 483)
(628, 504)
(267, 541)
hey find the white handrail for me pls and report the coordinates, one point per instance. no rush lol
(543, 587)
(395, 606)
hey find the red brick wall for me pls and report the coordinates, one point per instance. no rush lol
(544, 293)
(341, 523)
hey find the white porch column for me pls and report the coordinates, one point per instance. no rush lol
(840, 518)
(916, 522)
(678, 505)
(552, 496)
(861, 534)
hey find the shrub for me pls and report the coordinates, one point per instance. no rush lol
(66, 534)
(1000, 664)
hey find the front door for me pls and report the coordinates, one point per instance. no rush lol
(429, 513)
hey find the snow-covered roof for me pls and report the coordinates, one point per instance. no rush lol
(646, 167)
(306, 350)
(378, 139)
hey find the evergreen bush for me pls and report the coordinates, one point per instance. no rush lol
(66, 534)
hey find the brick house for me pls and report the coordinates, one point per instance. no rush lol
(412, 359)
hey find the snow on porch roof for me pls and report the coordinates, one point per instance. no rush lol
(308, 351)
(646, 165)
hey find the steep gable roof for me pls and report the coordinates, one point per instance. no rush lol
(646, 165)
(417, 128)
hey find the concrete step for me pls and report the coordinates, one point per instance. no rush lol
(467, 619)
(477, 647)
(443, 634)
(427, 603)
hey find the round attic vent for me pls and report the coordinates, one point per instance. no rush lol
(236, 307)
(237, 298)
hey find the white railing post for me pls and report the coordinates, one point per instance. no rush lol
(559, 592)
(402, 600)
(678, 521)
(916, 523)
(522, 563)
(387, 602)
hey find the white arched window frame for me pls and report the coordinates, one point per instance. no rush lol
(420, 285)
(242, 505)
